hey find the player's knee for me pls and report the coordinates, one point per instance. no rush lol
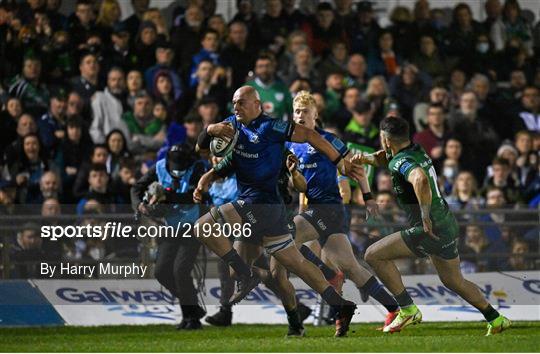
(371, 255)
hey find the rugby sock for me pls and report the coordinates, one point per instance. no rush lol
(490, 313)
(377, 291)
(292, 318)
(308, 254)
(332, 297)
(404, 300)
(233, 259)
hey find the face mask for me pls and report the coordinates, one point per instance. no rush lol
(482, 47)
(449, 172)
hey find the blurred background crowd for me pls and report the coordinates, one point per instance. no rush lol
(91, 99)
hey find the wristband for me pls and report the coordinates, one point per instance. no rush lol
(367, 196)
(204, 139)
(338, 160)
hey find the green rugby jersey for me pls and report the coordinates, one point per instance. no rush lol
(276, 99)
(400, 167)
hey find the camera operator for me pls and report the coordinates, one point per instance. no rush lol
(166, 191)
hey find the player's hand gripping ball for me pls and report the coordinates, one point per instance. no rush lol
(224, 139)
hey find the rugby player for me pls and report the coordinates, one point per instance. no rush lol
(433, 229)
(324, 218)
(257, 160)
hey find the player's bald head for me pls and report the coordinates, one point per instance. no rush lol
(247, 93)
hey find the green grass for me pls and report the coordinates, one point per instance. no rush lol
(440, 337)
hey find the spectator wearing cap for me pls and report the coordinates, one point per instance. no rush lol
(384, 61)
(365, 32)
(29, 88)
(238, 55)
(361, 133)
(147, 132)
(119, 53)
(276, 99)
(51, 125)
(164, 63)
(82, 22)
(133, 22)
(322, 30)
(209, 51)
(433, 137)
(145, 45)
(186, 39)
(108, 107)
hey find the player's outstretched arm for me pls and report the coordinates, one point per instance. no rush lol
(302, 134)
(377, 159)
(422, 189)
(204, 184)
(371, 205)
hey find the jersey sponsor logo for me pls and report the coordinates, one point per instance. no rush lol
(321, 224)
(251, 218)
(240, 147)
(240, 203)
(247, 155)
(280, 126)
(279, 96)
(307, 165)
(311, 150)
(404, 167)
(268, 107)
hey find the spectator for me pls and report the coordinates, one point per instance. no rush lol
(121, 52)
(27, 170)
(29, 88)
(186, 39)
(238, 55)
(495, 201)
(81, 23)
(402, 31)
(26, 251)
(336, 60)
(333, 92)
(451, 164)
(147, 133)
(154, 15)
(99, 155)
(456, 88)
(356, 72)
(519, 260)
(218, 24)
(527, 161)
(430, 59)
(145, 45)
(208, 110)
(493, 9)
(162, 91)
(295, 41)
(133, 22)
(98, 189)
(52, 124)
(384, 60)
(322, 29)
(529, 112)
(304, 69)
(49, 187)
(503, 180)
(108, 107)
(465, 194)
(26, 125)
(275, 97)
(361, 131)
(482, 60)
(409, 88)
(193, 127)
(209, 51)
(384, 181)
(118, 149)
(164, 62)
(124, 180)
(463, 31)
(108, 17)
(86, 84)
(437, 95)
(513, 26)
(378, 95)
(344, 13)
(433, 137)
(365, 32)
(477, 250)
(351, 97)
(75, 105)
(478, 137)
(8, 122)
(274, 26)
(134, 85)
(247, 15)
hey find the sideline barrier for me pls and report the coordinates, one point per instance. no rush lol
(114, 302)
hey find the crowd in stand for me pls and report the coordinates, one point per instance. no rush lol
(91, 101)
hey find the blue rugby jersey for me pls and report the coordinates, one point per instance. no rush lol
(319, 171)
(258, 157)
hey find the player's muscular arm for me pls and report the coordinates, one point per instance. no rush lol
(377, 159)
(371, 205)
(302, 134)
(422, 189)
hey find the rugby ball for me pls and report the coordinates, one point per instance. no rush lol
(221, 147)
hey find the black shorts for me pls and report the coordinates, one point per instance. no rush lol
(327, 219)
(266, 220)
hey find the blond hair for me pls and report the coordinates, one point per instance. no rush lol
(304, 98)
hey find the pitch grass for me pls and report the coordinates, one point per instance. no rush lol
(439, 337)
